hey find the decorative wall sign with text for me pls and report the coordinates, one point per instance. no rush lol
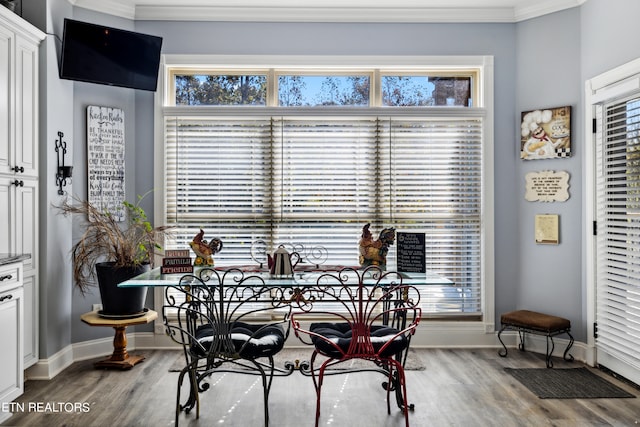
(105, 152)
(547, 186)
(411, 253)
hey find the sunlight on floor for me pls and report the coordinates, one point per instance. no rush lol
(230, 411)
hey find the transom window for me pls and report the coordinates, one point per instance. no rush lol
(356, 89)
(307, 158)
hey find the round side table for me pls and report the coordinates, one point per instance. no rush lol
(120, 359)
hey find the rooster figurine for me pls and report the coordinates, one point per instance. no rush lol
(205, 250)
(374, 252)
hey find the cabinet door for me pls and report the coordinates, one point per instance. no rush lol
(30, 324)
(26, 221)
(7, 235)
(6, 99)
(11, 365)
(26, 111)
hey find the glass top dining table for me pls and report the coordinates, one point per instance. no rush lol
(300, 278)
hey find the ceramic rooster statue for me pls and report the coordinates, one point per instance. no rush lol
(205, 250)
(374, 252)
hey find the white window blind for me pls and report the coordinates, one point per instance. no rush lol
(218, 178)
(618, 220)
(324, 183)
(431, 182)
(316, 181)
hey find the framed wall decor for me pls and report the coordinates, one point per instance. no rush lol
(547, 229)
(546, 134)
(105, 152)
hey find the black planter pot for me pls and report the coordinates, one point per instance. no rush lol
(117, 301)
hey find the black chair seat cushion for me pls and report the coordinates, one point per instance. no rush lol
(249, 340)
(341, 335)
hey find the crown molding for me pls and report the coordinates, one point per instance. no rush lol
(12, 21)
(535, 9)
(121, 8)
(408, 11)
(321, 14)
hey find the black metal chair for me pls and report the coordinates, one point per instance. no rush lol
(225, 322)
(372, 316)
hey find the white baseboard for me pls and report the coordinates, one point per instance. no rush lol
(45, 369)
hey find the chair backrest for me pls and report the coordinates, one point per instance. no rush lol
(226, 315)
(358, 313)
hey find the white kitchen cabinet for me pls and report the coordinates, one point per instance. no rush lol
(30, 330)
(19, 101)
(11, 334)
(19, 44)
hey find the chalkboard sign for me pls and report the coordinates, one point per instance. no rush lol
(411, 252)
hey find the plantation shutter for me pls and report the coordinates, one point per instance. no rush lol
(618, 237)
(431, 182)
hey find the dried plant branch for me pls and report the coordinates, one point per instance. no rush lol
(127, 244)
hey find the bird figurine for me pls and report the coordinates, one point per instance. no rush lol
(374, 252)
(205, 250)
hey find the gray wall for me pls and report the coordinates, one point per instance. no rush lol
(55, 229)
(538, 63)
(56, 103)
(549, 277)
(86, 94)
(609, 35)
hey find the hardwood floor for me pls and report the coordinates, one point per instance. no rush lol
(458, 387)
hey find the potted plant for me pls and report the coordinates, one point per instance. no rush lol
(110, 252)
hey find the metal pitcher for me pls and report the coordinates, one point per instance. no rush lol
(281, 264)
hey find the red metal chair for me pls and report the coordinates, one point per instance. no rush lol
(370, 315)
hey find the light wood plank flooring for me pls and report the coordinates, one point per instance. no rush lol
(459, 387)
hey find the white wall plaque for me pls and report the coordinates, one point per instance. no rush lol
(105, 151)
(547, 186)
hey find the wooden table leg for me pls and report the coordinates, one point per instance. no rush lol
(120, 358)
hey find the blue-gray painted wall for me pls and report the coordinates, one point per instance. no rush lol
(542, 62)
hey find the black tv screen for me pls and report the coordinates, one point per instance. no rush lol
(110, 56)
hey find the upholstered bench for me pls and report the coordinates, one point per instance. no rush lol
(539, 324)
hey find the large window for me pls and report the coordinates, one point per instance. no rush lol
(317, 156)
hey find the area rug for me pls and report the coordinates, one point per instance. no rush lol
(574, 383)
(413, 363)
